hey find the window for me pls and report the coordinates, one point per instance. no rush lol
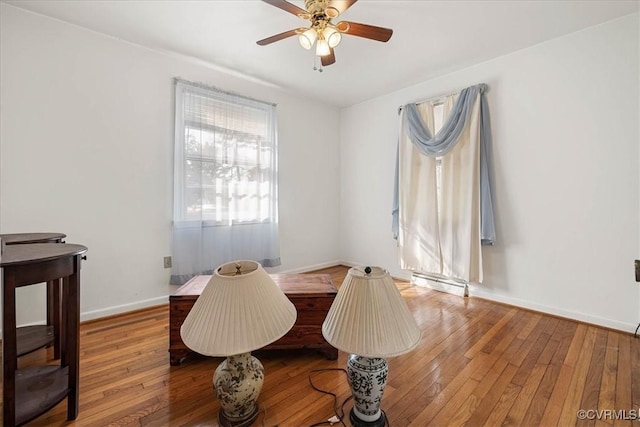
(444, 211)
(225, 159)
(225, 203)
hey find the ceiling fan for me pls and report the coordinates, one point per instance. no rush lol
(322, 31)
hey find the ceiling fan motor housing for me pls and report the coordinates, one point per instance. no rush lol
(320, 10)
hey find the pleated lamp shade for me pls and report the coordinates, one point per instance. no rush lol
(238, 313)
(369, 317)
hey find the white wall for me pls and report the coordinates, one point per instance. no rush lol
(86, 149)
(566, 154)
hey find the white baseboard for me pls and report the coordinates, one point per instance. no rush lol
(477, 291)
(309, 268)
(110, 311)
(124, 308)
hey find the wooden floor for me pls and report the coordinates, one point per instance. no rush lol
(479, 363)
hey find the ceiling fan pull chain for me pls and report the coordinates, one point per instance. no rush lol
(315, 65)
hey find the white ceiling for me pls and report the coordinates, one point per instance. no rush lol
(430, 37)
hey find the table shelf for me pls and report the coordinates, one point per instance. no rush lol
(39, 389)
(31, 338)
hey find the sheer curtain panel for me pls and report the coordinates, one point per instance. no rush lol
(225, 203)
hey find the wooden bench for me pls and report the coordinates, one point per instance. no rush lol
(312, 295)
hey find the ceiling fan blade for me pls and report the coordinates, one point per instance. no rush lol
(328, 59)
(363, 30)
(286, 6)
(277, 37)
(342, 5)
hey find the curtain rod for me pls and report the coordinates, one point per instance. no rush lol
(439, 97)
(215, 89)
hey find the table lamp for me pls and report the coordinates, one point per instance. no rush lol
(240, 310)
(369, 319)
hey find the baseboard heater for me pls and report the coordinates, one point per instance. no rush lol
(440, 283)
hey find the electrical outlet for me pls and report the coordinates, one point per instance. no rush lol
(167, 262)
(637, 264)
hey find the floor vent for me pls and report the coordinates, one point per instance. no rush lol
(442, 284)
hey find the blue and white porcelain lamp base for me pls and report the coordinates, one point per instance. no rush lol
(369, 320)
(367, 379)
(237, 383)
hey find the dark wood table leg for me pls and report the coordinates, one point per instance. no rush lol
(330, 353)
(177, 356)
(53, 314)
(9, 352)
(72, 332)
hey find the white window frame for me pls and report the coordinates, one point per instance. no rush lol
(181, 157)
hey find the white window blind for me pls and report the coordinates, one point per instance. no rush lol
(225, 157)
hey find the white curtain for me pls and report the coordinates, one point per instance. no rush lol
(225, 181)
(441, 235)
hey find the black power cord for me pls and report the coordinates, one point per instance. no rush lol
(339, 412)
(636, 332)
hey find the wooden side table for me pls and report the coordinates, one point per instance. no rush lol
(28, 393)
(31, 338)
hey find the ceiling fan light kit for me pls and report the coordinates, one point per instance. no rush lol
(322, 32)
